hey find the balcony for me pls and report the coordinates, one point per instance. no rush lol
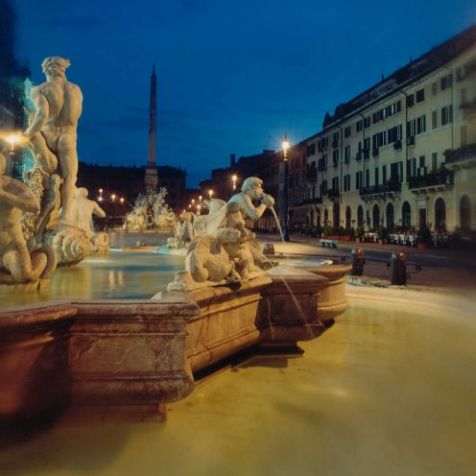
(385, 190)
(311, 201)
(462, 158)
(432, 182)
(333, 193)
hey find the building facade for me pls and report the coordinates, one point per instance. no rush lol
(401, 155)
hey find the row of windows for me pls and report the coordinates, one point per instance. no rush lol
(387, 111)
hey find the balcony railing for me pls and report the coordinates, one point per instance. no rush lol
(385, 188)
(311, 201)
(433, 179)
(463, 153)
(333, 193)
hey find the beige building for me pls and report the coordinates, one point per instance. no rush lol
(402, 155)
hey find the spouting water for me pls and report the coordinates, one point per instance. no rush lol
(273, 211)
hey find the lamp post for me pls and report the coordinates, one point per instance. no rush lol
(210, 193)
(285, 146)
(234, 178)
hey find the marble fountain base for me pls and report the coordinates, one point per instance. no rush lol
(129, 358)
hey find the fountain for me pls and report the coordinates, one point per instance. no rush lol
(150, 213)
(127, 356)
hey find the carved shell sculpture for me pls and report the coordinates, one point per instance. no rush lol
(70, 243)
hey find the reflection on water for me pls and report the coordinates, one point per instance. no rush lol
(121, 275)
(386, 391)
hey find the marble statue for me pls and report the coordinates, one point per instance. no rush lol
(52, 130)
(183, 232)
(150, 212)
(20, 263)
(223, 248)
(83, 211)
(207, 259)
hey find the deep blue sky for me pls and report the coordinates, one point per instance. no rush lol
(233, 76)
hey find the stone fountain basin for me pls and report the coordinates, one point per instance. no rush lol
(129, 357)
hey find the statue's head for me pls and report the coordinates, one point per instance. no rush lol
(83, 192)
(253, 186)
(55, 66)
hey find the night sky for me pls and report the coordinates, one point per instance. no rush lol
(233, 76)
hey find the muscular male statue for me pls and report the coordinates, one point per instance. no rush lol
(252, 189)
(52, 131)
(15, 199)
(84, 209)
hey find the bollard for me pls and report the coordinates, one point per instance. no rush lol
(399, 269)
(358, 262)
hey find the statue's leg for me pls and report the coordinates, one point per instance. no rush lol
(68, 159)
(43, 155)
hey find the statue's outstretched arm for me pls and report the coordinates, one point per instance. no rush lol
(98, 211)
(252, 211)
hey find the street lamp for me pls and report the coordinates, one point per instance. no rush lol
(210, 193)
(285, 147)
(234, 178)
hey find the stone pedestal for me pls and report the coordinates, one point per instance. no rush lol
(289, 309)
(34, 374)
(332, 298)
(227, 322)
(129, 355)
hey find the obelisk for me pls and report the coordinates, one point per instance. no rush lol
(151, 179)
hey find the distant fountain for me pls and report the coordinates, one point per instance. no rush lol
(150, 212)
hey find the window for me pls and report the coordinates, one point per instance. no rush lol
(384, 173)
(335, 139)
(462, 95)
(421, 161)
(434, 88)
(359, 125)
(347, 131)
(358, 180)
(367, 122)
(411, 128)
(446, 115)
(434, 119)
(347, 183)
(376, 116)
(420, 95)
(410, 100)
(324, 186)
(446, 81)
(398, 106)
(347, 154)
(367, 177)
(335, 157)
(335, 183)
(411, 167)
(421, 124)
(376, 175)
(434, 161)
